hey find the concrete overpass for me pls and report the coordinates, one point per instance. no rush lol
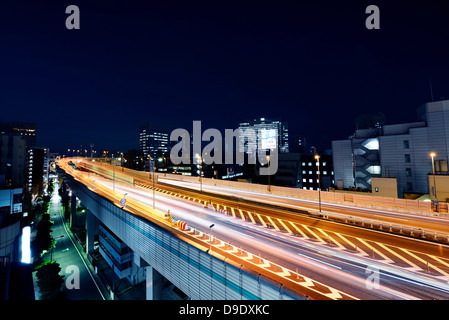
(159, 252)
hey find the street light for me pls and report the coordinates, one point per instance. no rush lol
(210, 236)
(435, 199)
(113, 172)
(317, 157)
(269, 184)
(201, 173)
(149, 156)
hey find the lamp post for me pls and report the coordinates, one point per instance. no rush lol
(113, 172)
(149, 156)
(210, 237)
(268, 164)
(435, 199)
(317, 157)
(201, 173)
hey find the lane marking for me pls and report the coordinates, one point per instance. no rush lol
(386, 259)
(261, 220)
(426, 262)
(332, 239)
(363, 253)
(283, 224)
(272, 222)
(439, 260)
(241, 214)
(299, 230)
(413, 266)
(313, 233)
(251, 217)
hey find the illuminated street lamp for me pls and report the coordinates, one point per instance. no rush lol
(201, 172)
(317, 157)
(435, 199)
(149, 156)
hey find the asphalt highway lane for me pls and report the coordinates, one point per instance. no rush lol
(415, 220)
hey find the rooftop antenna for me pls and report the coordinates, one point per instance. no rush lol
(431, 89)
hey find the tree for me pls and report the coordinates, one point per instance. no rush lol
(44, 240)
(49, 280)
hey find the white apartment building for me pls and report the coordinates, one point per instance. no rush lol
(400, 151)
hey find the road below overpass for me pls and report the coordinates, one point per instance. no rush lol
(364, 263)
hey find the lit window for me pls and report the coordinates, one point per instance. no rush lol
(371, 144)
(373, 169)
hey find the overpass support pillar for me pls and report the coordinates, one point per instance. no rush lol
(72, 210)
(91, 230)
(153, 284)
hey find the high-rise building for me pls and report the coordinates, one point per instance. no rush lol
(400, 151)
(24, 129)
(264, 130)
(153, 138)
(38, 166)
(12, 159)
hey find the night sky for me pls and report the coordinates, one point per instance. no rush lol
(314, 65)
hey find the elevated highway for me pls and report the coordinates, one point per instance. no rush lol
(290, 248)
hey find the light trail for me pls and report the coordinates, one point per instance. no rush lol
(280, 200)
(196, 215)
(341, 270)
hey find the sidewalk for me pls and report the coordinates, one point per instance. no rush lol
(97, 279)
(69, 255)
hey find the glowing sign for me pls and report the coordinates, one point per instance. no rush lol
(268, 138)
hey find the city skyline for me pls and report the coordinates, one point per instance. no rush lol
(315, 66)
(201, 150)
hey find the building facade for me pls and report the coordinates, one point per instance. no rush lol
(313, 176)
(38, 166)
(12, 160)
(23, 129)
(259, 127)
(400, 151)
(153, 138)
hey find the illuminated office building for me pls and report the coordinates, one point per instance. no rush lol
(259, 127)
(153, 138)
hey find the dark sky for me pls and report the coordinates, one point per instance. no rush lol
(312, 64)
